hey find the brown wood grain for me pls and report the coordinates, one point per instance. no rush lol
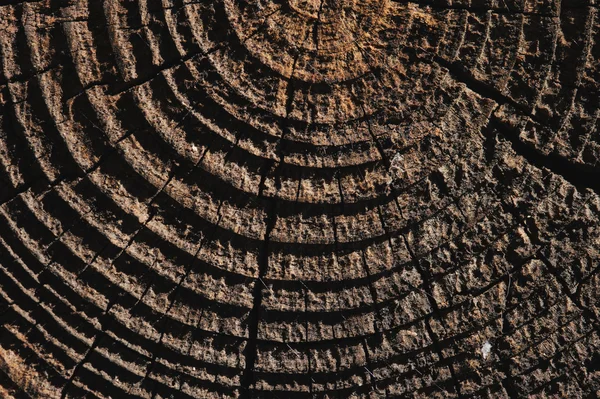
(299, 198)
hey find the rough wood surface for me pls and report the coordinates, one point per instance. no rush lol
(299, 198)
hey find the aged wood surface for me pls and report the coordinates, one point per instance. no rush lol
(299, 198)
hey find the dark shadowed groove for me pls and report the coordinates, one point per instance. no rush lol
(250, 352)
(580, 175)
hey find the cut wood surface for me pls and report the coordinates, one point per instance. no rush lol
(300, 198)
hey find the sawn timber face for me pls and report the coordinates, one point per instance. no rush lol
(300, 198)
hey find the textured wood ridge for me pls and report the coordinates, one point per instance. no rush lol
(299, 198)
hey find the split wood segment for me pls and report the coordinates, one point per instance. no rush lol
(299, 198)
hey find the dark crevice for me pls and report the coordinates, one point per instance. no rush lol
(483, 89)
(428, 291)
(506, 10)
(315, 31)
(580, 176)
(250, 352)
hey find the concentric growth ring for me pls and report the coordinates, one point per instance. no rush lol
(299, 198)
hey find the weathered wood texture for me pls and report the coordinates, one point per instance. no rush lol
(299, 198)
